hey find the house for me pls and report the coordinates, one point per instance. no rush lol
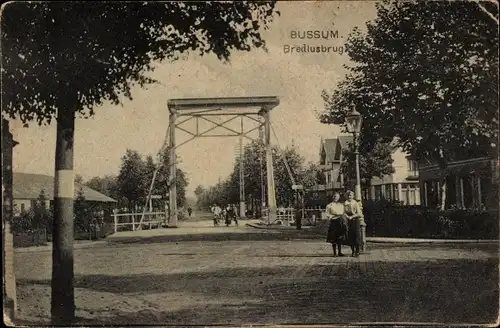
(27, 188)
(402, 185)
(330, 153)
(330, 162)
(470, 183)
(331, 157)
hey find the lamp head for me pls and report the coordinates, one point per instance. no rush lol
(353, 121)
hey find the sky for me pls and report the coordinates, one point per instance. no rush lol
(141, 124)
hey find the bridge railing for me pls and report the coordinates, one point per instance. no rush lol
(287, 215)
(123, 221)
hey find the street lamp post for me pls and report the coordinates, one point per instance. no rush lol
(353, 122)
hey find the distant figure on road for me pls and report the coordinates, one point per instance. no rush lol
(190, 210)
(235, 214)
(337, 229)
(230, 214)
(353, 214)
(217, 214)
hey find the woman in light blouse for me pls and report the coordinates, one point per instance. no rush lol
(353, 213)
(337, 230)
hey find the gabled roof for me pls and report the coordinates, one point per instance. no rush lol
(29, 186)
(329, 147)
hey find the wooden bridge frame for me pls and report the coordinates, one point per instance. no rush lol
(257, 109)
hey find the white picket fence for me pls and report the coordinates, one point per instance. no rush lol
(287, 216)
(151, 220)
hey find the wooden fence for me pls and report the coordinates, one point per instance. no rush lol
(286, 216)
(126, 221)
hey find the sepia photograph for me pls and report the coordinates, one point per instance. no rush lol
(242, 163)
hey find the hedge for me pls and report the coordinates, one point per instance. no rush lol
(392, 219)
(34, 228)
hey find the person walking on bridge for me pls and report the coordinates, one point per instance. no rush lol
(235, 214)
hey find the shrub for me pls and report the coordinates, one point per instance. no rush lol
(389, 219)
(33, 220)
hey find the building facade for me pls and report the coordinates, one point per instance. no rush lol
(27, 188)
(402, 185)
(330, 162)
(471, 183)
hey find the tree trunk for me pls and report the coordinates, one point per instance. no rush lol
(63, 300)
(442, 199)
(442, 165)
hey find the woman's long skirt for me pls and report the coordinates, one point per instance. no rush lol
(337, 231)
(354, 232)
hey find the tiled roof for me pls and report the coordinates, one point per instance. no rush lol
(29, 186)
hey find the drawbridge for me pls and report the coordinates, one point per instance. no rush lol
(219, 112)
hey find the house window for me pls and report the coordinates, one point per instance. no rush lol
(409, 194)
(468, 192)
(389, 192)
(365, 194)
(433, 193)
(395, 192)
(485, 186)
(412, 167)
(451, 191)
(23, 208)
(323, 157)
(378, 192)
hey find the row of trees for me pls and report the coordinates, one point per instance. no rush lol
(227, 191)
(425, 76)
(131, 186)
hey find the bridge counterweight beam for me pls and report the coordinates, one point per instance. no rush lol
(242, 173)
(271, 194)
(172, 196)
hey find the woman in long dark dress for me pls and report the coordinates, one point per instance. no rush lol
(353, 214)
(337, 229)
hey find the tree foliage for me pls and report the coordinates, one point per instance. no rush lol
(227, 191)
(98, 51)
(38, 217)
(199, 191)
(131, 179)
(427, 73)
(81, 212)
(78, 178)
(162, 180)
(136, 174)
(375, 160)
(106, 185)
